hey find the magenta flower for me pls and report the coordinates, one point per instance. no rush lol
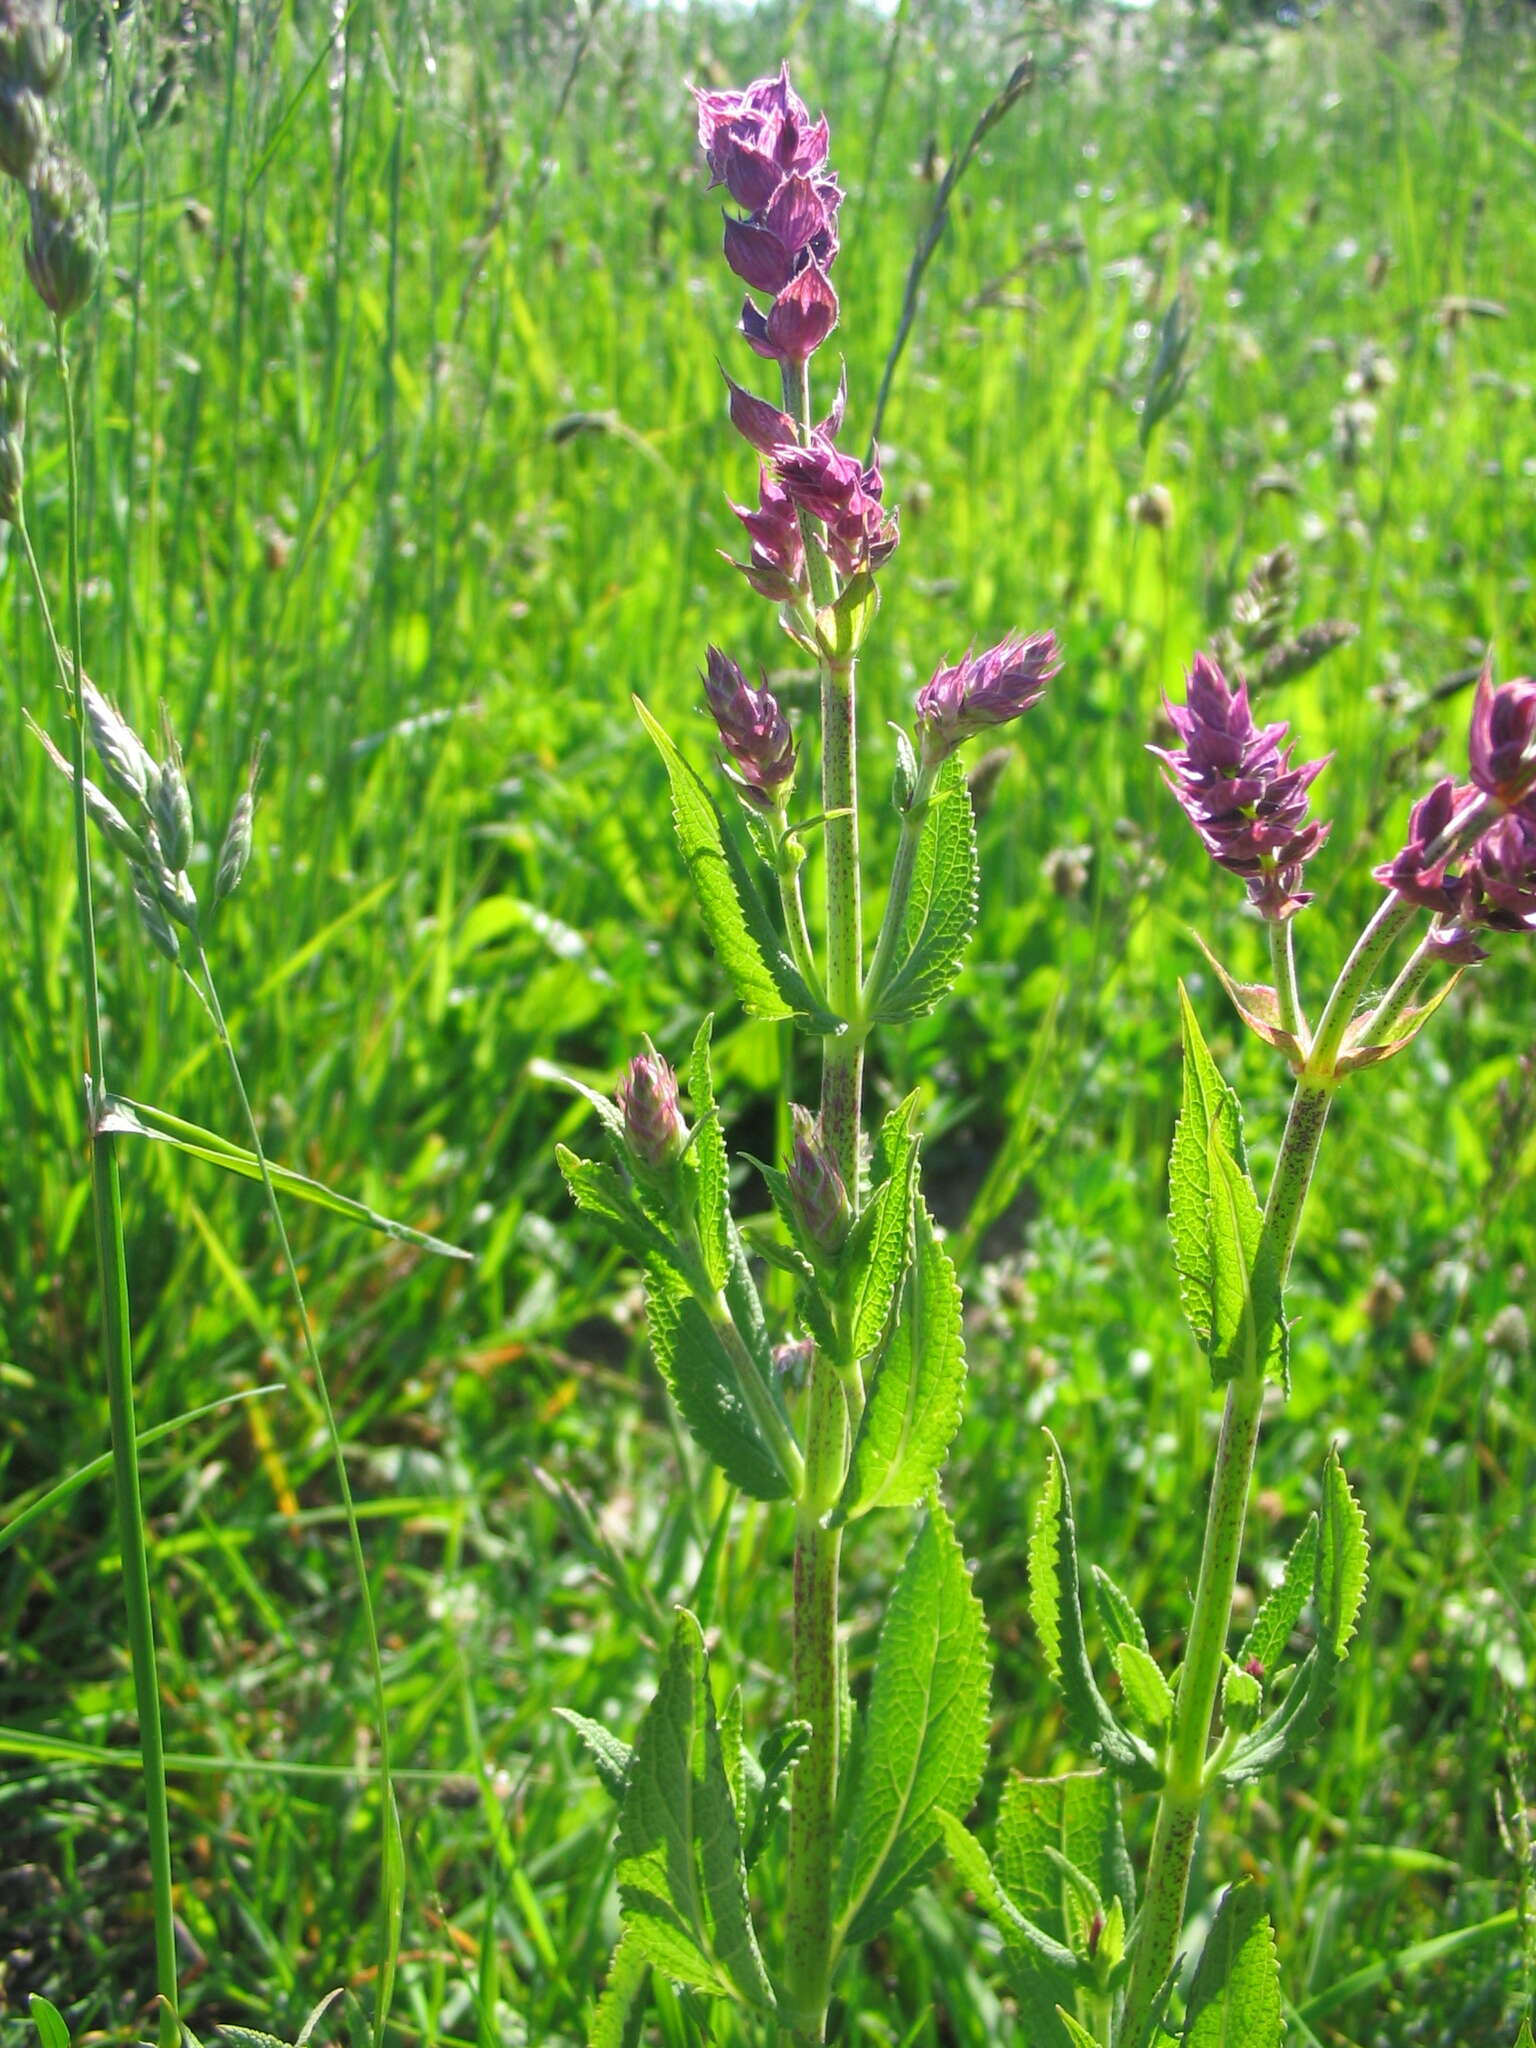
(982, 690)
(845, 496)
(776, 566)
(1502, 743)
(653, 1121)
(1501, 875)
(753, 139)
(1421, 872)
(755, 731)
(1240, 792)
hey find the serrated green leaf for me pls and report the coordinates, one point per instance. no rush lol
(915, 1398)
(123, 1117)
(600, 1191)
(733, 1754)
(874, 1261)
(764, 977)
(1342, 1562)
(1055, 1606)
(1234, 2001)
(1148, 1695)
(1076, 1817)
(681, 1877)
(1275, 1741)
(925, 1745)
(1230, 1295)
(1281, 1610)
(941, 910)
(1077, 2034)
(610, 1755)
(1122, 1624)
(250, 2037)
(782, 1749)
(711, 1167)
(615, 2021)
(49, 2021)
(1041, 1971)
(705, 1381)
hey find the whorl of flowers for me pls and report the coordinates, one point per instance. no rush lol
(1236, 784)
(982, 690)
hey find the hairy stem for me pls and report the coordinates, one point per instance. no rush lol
(1282, 954)
(1161, 1918)
(112, 1267)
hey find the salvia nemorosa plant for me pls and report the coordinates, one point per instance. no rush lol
(849, 1412)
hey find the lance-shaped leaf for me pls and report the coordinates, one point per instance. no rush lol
(610, 1755)
(1041, 1970)
(740, 929)
(1148, 1695)
(711, 1169)
(1234, 2001)
(603, 1193)
(1077, 2034)
(1047, 1826)
(620, 2011)
(1122, 1624)
(710, 1387)
(681, 1875)
(913, 1406)
(1230, 1298)
(1265, 1642)
(126, 1118)
(874, 1261)
(941, 910)
(1055, 1606)
(925, 1737)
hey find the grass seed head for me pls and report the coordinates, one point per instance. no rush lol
(68, 242)
(156, 925)
(34, 47)
(23, 130)
(172, 803)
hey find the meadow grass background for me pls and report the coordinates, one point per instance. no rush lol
(406, 444)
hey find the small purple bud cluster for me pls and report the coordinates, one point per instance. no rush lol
(754, 730)
(761, 145)
(654, 1129)
(982, 690)
(1492, 885)
(1240, 792)
(816, 1186)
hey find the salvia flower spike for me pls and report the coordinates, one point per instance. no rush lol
(1236, 784)
(983, 690)
(754, 730)
(1502, 743)
(654, 1129)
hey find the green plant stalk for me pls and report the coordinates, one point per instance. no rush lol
(809, 1941)
(208, 993)
(112, 1267)
(760, 1402)
(1161, 1917)
(902, 868)
(1282, 955)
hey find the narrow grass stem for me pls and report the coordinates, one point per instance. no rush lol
(1183, 1795)
(112, 1268)
(392, 1853)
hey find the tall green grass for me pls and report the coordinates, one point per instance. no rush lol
(404, 441)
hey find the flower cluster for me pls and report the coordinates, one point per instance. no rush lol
(1491, 885)
(68, 240)
(754, 731)
(982, 690)
(1240, 792)
(654, 1130)
(762, 146)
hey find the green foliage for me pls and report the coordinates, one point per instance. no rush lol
(707, 1382)
(1041, 1971)
(941, 913)
(1048, 1827)
(681, 1874)
(1234, 2000)
(874, 1261)
(925, 1731)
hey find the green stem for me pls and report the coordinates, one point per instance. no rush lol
(1282, 954)
(902, 868)
(390, 1892)
(1161, 1918)
(112, 1266)
(759, 1396)
(1389, 1011)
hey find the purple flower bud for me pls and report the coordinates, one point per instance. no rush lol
(1502, 745)
(1453, 945)
(653, 1122)
(982, 690)
(1412, 873)
(845, 496)
(798, 321)
(816, 1185)
(752, 139)
(760, 423)
(757, 255)
(754, 729)
(1240, 792)
(776, 569)
(1501, 874)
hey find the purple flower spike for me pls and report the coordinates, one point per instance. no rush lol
(982, 690)
(653, 1122)
(755, 731)
(845, 496)
(1502, 744)
(776, 569)
(753, 139)
(1412, 873)
(1240, 792)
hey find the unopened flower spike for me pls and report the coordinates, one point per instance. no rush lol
(1240, 792)
(816, 1186)
(654, 1130)
(754, 730)
(983, 690)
